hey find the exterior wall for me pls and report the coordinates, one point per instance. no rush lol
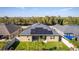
(25, 38)
(48, 38)
(52, 38)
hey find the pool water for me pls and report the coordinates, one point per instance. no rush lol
(69, 37)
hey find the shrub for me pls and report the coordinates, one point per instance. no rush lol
(54, 48)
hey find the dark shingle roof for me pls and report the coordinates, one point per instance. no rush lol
(12, 28)
(68, 28)
(7, 29)
(38, 29)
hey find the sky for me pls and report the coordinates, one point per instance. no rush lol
(38, 11)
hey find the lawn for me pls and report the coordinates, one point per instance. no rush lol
(41, 46)
(74, 42)
(2, 44)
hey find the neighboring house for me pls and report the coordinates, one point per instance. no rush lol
(69, 30)
(8, 31)
(39, 32)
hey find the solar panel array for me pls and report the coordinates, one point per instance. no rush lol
(40, 31)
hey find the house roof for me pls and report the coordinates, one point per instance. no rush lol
(68, 28)
(39, 29)
(7, 29)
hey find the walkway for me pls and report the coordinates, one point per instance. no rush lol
(67, 43)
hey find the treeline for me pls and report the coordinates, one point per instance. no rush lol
(52, 20)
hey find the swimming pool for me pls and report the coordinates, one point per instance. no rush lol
(69, 37)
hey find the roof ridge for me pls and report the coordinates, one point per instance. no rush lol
(4, 25)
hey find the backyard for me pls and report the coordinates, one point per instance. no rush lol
(41, 46)
(2, 44)
(75, 43)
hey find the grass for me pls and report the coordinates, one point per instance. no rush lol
(41, 46)
(2, 44)
(74, 42)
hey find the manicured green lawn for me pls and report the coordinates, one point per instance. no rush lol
(41, 46)
(2, 43)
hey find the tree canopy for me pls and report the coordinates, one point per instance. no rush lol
(49, 20)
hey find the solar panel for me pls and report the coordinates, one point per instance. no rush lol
(40, 31)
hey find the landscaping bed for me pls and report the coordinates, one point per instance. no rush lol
(41, 46)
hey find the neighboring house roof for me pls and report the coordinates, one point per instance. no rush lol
(39, 29)
(68, 28)
(7, 29)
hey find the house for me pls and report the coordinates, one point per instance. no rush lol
(40, 32)
(69, 30)
(9, 31)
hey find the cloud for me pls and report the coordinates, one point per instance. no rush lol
(65, 9)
